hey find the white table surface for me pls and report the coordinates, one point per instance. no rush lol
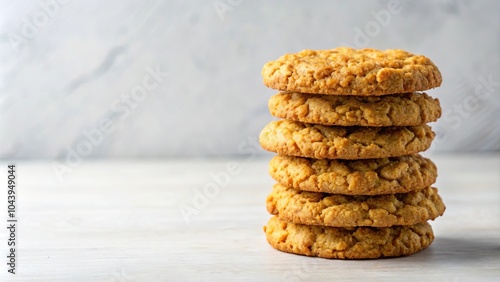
(121, 221)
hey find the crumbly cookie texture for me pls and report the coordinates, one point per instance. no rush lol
(389, 110)
(347, 71)
(313, 208)
(354, 177)
(348, 243)
(335, 142)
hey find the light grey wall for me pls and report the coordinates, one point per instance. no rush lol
(69, 67)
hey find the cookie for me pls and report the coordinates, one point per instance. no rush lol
(389, 110)
(354, 177)
(336, 210)
(347, 71)
(348, 243)
(336, 142)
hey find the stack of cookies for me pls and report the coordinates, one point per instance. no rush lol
(351, 183)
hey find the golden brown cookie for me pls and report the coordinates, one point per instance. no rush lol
(313, 208)
(348, 243)
(335, 142)
(354, 177)
(389, 110)
(347, 71)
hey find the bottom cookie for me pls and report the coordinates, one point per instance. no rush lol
(348, 243)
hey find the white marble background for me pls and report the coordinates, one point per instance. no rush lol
(76, 75)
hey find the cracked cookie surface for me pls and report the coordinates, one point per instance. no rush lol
(348, 243)
(295, 138)
(313, 208)
(347, 71)
(354, 177)
(389, 110)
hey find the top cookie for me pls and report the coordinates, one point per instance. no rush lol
(347, 71)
